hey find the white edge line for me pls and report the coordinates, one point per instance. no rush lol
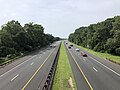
(14, 77)
(106, 66)
(17, 66)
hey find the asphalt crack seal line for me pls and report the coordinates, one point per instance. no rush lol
(37, 71)
(81, 71)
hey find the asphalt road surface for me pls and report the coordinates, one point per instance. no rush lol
(29, 72)
(92, 72)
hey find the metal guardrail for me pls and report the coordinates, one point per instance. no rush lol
(50, 78)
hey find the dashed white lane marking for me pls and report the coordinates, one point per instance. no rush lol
(95, 69)
(83, 59)
(14, 77)
(39, 88)
(39, 56)
(17, 66)
(106, 67)
(32, 63)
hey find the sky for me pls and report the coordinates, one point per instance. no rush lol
(58, 17)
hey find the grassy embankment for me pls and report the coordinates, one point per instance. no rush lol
(3, 62)
(7, 60)
(63, 72)
(115, 59)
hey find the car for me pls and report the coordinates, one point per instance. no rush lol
(51, 45)
(77, 49)
(66, 43)
(69, 47)
(83, 54)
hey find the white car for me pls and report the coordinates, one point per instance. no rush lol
(77, 49)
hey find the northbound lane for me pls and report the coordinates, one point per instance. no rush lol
(101, 74)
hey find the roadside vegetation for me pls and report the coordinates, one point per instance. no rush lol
(16, 40)
(63, 72)
(101, 39)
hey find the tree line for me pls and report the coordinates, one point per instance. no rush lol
(16, 40)
(102, 37)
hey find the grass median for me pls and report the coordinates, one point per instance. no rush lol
(63, 72)
(115, 59)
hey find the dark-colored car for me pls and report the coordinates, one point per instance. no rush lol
(69, 47)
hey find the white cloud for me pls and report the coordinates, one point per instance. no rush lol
(59, 17)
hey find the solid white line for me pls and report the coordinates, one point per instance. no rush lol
(95, 69)
(106, 66)
(17, 66)
(32, 63)
(14, 77)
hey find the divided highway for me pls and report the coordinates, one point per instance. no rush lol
(29, 72)
(93, 73)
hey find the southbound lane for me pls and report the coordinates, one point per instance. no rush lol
(21, 75)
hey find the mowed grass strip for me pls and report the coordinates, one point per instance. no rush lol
(63, 72)
(103, 55)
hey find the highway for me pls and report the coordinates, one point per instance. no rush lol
(92, 72)
(28, 72)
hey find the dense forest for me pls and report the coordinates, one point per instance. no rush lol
(102, 37)
(16, 40)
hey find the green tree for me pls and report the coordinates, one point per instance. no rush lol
(102, 37)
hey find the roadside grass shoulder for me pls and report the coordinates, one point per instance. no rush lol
(63, 72)
(115, 59)
(4, 62)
